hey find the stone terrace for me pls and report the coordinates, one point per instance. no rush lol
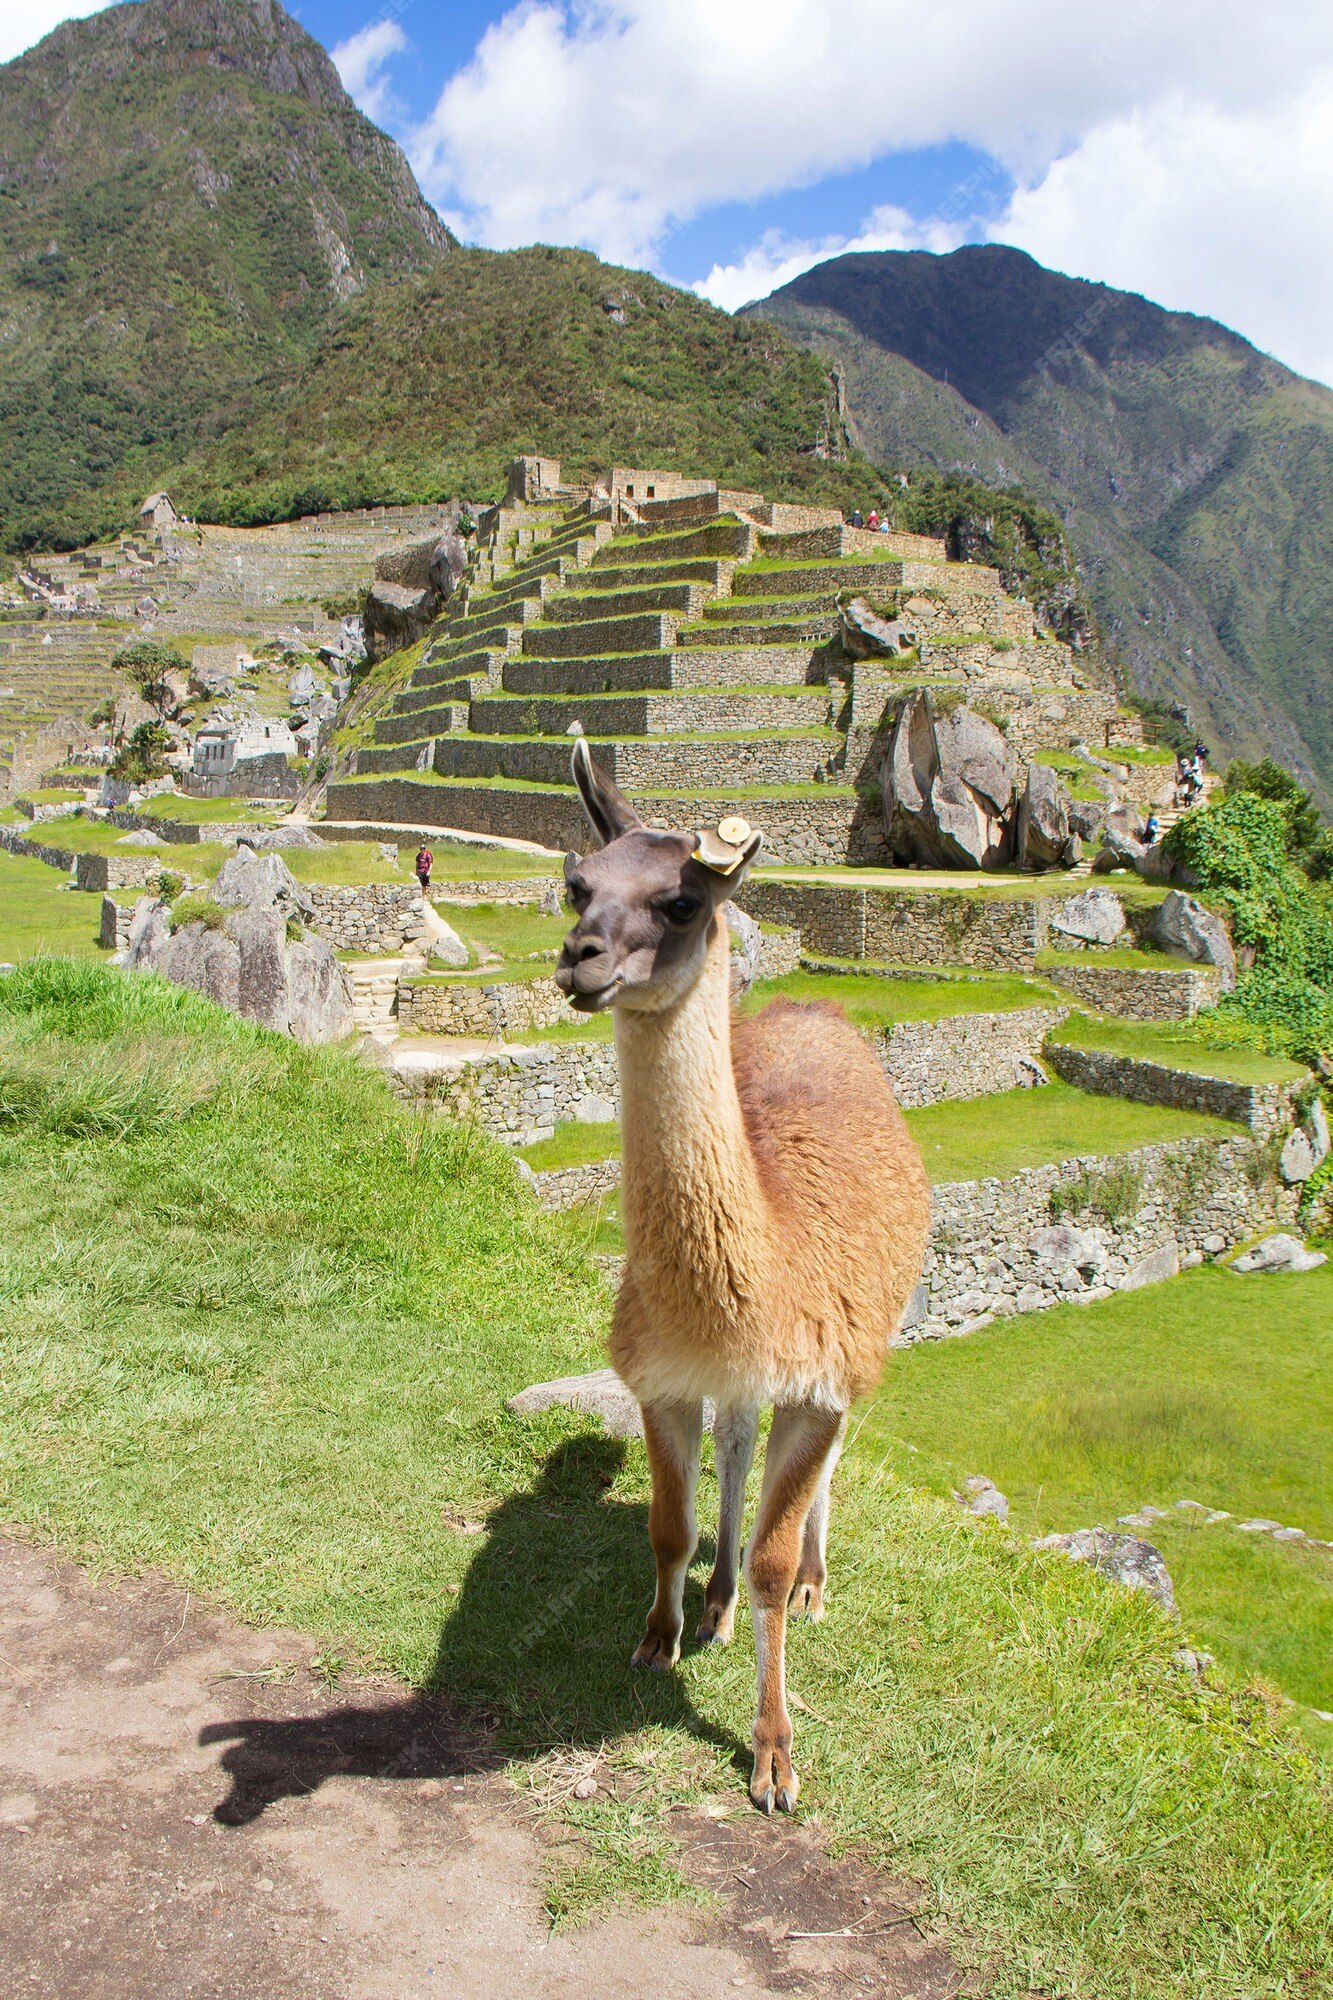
(689, 637)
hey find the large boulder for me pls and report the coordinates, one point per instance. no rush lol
(1122, 849)
(412, 587)
(1307, 1147)
(1045, 838)
(948, 787)
(1183, 925)
(864, 635)
(244, 954)
(1096, 916)
(1087, 817)
(746, 943)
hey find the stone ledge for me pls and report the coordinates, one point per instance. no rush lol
(1263, 1107)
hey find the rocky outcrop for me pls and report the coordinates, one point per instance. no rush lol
(746, 944)
(1045, 837)
(1122, 849)
(244, 955)
(1183, 925)
(948, 785)
(1124, 1559)
(1096, 916)
(864, 635)
(411, 589)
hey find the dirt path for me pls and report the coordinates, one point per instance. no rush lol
(169, 1827)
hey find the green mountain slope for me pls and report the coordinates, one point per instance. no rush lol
(1192, 471)
(187, 197)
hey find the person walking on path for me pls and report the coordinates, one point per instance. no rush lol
(425, 861)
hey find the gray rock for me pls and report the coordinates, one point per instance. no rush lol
(1096, 916)
(916, 1308)
(295, 986)
(260, 936)
(600, 1393)
(1060, 1249)
(1279, 1253)
(1183, 925)
(1043, 821)
(142, 836)
(396, 615)
(984, 1497)
(948, 787)
(864, 635)
(441, 938)
(1123, 1558)
(596, 1111)
(275, 838)
(1307, 1147)
(1087, 818)
(1257, 1527)
(746, 942)
(1152, 1269)
(319, 994)
(1122, 849)
(1214, 1244)
(247, 880)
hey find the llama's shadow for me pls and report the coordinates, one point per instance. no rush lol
(534, 1654)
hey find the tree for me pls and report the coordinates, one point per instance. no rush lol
(1268, 780)
(147, 663)
(144, 756)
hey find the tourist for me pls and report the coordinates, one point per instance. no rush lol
(1151, 830)
(884, 526)
(425, 861)
(872, 519)
(856, 520)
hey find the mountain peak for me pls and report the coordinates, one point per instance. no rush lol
(256, 38)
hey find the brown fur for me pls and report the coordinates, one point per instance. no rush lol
(776, 1212)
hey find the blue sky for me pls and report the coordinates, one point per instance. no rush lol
(1164, 146)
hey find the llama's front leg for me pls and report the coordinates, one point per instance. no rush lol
(807, 1598)
(798, 1445)
(673, 1432)
(734, 1434)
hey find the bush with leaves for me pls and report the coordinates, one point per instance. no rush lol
(144, 756)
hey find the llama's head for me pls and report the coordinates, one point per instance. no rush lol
(646, 902)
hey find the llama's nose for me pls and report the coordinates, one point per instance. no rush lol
(584, 964)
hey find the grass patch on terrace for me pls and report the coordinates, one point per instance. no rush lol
(203, 812)
(39, 913)
(460, 861)
(977, 1138)
(1175, 1047)
(1083, 1414)
(219, 1358)
(1130, 957)
(878, 1003)
(573, 1144)
(513, 929)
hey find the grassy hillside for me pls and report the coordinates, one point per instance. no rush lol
(431, 387)
(1192, 471)
(187, 196)
(257, 1326)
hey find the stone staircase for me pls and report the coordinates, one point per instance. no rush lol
(374, 984)
(690, 645)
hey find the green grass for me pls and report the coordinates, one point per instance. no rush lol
(456, 860)
(877, 1003)
(981, 1137)
(1126, 956)
(219, 1357)
(1176, 1047)
(40, 913)
(573, 1145)
(515, 930)
(175, 805)
(1083, 1414)
(952, 883)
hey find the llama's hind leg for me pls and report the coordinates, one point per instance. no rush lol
(734, 1432)
(798, 1446)
(807, 1598)
(673, 1432)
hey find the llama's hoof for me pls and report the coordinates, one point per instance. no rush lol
(655, 1654)
(807, 1602)
(763, 1799)
(717, 1625)
(787, 1796)
(774, 1784)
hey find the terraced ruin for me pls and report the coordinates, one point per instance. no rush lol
(694, 640)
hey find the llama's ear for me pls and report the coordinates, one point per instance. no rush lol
(605, 804)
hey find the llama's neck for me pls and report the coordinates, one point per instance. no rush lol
(690, 1197)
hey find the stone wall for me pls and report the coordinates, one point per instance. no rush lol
(544, 890)
(1141, 993)
(1089, 1227)
(466, 1007)
(965, 1055)
(836, 826)
(1265, 1107)
(904, 927)
(520, 1094)
(373, 917)
(566, 1187)
(114, 929)
(90, 871)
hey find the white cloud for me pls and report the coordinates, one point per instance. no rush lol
(610, 122)
(360, 62)
(1224, 213)
(24, 22)
(776, 259)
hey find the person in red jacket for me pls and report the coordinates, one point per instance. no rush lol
(424, 863)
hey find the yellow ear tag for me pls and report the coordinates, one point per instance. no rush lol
(723, 851)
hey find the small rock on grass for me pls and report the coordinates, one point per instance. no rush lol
(1279, 1253)
(983, 1497)
(1123, 1558)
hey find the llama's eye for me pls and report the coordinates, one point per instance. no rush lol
(682, 909)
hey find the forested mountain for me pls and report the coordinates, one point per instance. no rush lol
(1194, 473)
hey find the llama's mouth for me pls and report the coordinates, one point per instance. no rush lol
(598, 1000)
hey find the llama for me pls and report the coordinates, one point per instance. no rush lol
(775, 1211)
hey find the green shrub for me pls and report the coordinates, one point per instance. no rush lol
(197, 908)
(144, 756)
(169, 886)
